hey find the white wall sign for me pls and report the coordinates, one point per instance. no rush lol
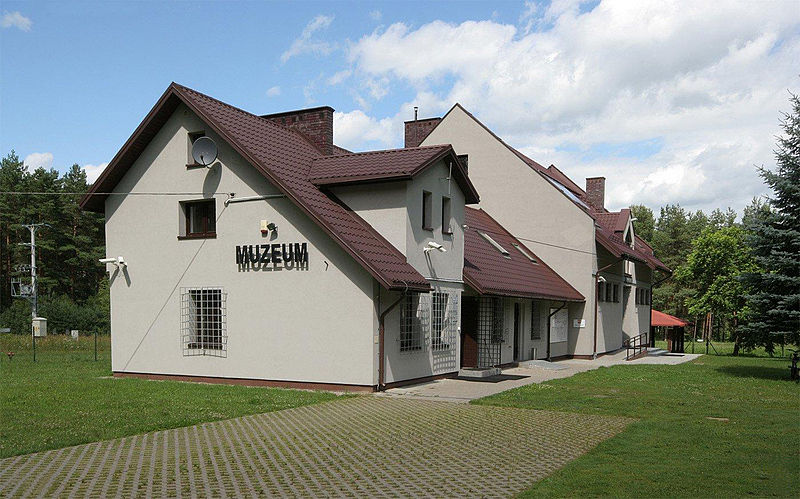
(559, 323)
(578, 322)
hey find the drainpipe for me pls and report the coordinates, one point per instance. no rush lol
(596, 296)
(381, 336)
(563, 304)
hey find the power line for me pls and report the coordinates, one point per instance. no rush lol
(36, 193)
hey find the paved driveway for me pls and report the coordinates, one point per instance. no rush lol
(537, 371)
(363, 446)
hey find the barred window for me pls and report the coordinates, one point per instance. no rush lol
(536, 322)
(439, 321)
(497, 320)
(203, 321)
(444, 320)
(411, 323)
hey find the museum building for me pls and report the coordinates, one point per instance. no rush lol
(285, 260)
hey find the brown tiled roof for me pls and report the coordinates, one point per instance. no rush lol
(390, 164)
(284, 157)
(609, 230)
(606, 235)
(487, 271)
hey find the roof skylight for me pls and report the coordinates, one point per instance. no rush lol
(494, 243)
(566, 191)
(524, 252)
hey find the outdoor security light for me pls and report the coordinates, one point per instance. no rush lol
(118, 261)
(435, 246)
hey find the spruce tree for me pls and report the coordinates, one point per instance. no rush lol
(773, 299)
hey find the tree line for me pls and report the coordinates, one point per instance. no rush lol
(736, 280)
(73, 292)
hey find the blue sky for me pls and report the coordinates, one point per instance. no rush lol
(673, 103)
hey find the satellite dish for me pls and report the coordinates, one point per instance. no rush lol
(204, 151)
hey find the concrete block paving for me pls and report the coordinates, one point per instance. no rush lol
(363, 446)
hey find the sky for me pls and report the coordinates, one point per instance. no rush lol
(673, 102)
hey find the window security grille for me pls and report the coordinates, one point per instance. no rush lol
(444, 320)
(412, 318)
(203, 322)
(490, 331)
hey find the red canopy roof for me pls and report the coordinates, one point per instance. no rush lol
(661, 319)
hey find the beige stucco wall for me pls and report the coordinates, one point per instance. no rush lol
(532, 209)
(623, 320)
(313, 325)
(395, 210)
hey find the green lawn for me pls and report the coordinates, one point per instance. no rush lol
(675, 449)
(66, 398)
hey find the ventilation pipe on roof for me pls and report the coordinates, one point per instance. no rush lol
(416, 110)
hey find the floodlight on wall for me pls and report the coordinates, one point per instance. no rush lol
(434, 246)
(118, 261)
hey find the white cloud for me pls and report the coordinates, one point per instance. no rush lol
(706, 80)
(376, 15)
(274, 91)
(304, 44)
(339, 77)
(355, 130)
(93, 171)
(16, 20)
(38, 160)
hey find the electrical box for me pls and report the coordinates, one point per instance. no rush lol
(39, 327)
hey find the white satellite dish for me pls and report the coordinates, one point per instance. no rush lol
(204, 151)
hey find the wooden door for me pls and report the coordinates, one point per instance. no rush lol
(469, 332)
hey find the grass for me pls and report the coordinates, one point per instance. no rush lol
(66, 398)
(676, 449)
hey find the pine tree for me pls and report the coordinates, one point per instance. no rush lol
(774, 293)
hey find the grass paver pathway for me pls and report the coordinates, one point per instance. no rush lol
(362, 446)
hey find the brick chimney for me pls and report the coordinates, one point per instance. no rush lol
(417, 130)
(315, 123)
(596, 192)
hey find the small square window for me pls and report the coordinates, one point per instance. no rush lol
(200, 219)
(446, 227)
(427, 210)
(193, 136)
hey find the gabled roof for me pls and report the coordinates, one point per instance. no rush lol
(609, 232)
(605, 232)
(489, 272)
(391, 164)
(661, 319)
(284, 157)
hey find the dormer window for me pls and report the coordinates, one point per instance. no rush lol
(495, 244)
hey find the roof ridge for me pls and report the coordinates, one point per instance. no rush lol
(384, 151)
(248, 113)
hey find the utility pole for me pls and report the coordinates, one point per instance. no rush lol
(34, 285)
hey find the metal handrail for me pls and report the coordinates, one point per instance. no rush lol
(637, 344)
